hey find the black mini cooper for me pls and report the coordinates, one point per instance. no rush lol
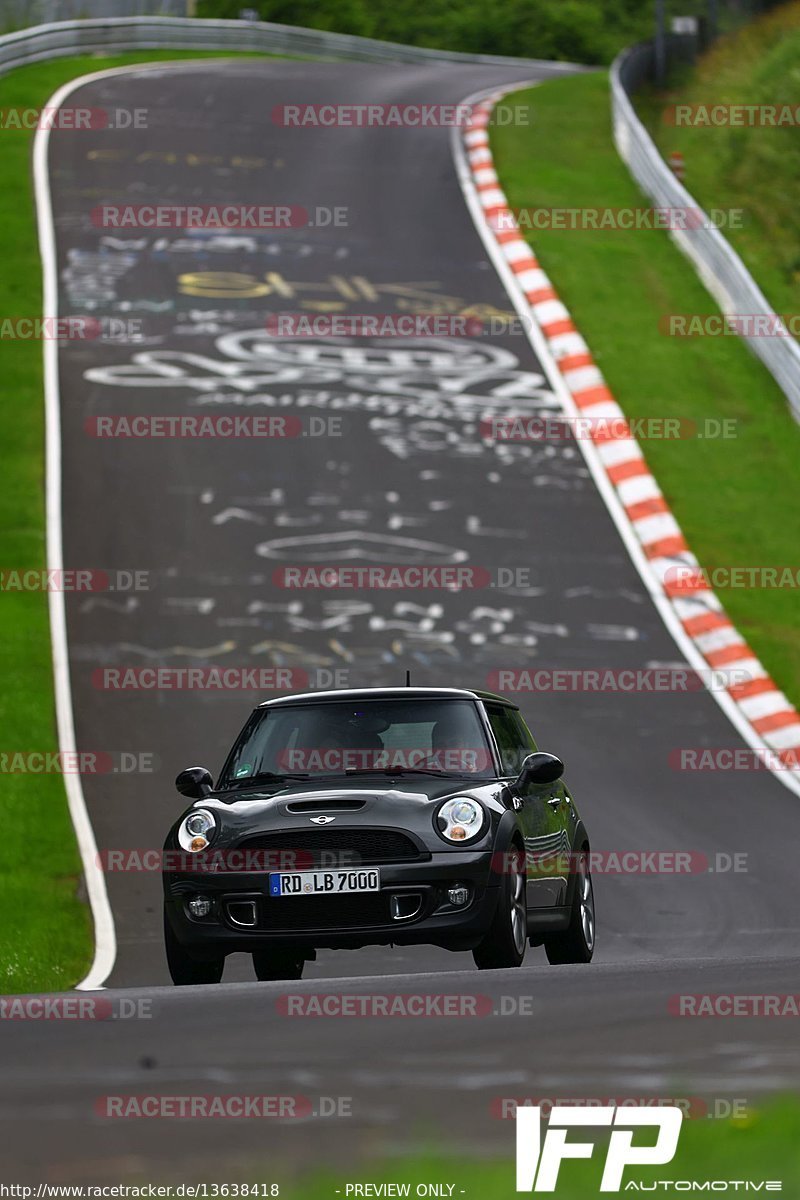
(376, 817)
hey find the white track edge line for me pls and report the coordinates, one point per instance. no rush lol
(105, 940)
(603, 483)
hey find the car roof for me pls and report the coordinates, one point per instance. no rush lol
(391, 693)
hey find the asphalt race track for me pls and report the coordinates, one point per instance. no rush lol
(405, 477)
(434, 1083)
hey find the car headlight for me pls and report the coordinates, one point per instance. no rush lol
(197, 830)
(460, 820)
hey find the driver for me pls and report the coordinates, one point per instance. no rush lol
(450, 745)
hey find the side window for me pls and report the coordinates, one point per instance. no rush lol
(507, 737)
(524, 734)
(514, 739)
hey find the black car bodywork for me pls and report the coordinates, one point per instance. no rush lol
(460, 896)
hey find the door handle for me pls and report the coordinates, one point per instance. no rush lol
(554, 801)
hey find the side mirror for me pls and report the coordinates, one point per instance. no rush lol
(540, 768)
(194, 782)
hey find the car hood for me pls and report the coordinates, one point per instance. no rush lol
(393, 803)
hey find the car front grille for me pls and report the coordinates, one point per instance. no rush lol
(324, 912)
(314, 847)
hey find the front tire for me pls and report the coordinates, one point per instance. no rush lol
(506, 941)
(576, 943)
(277, 964)
(185, 970)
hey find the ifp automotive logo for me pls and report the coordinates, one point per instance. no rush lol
(538, 1162)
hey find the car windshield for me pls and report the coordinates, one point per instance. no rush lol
(439, 737)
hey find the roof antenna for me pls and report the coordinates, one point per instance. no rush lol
(408, 678)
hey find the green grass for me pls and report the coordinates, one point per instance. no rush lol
(736, 500)
(46, 936)
(755, 169)
(757, 1147)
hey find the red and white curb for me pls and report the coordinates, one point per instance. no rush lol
(773, 722)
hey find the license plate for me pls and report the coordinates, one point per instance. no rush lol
(323, 883)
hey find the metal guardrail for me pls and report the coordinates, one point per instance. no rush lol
(717, 263)
(120, 34)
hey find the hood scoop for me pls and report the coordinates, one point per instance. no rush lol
(320, 805)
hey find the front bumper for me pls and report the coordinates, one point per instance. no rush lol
(411, 908)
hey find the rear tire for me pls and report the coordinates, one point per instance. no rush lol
(576, 943)
(185, 970)
(278, 964)
(505, 942)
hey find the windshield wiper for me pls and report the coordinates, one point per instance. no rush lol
(268, 777)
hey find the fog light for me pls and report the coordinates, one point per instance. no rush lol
(458, 895)
(200, 906)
